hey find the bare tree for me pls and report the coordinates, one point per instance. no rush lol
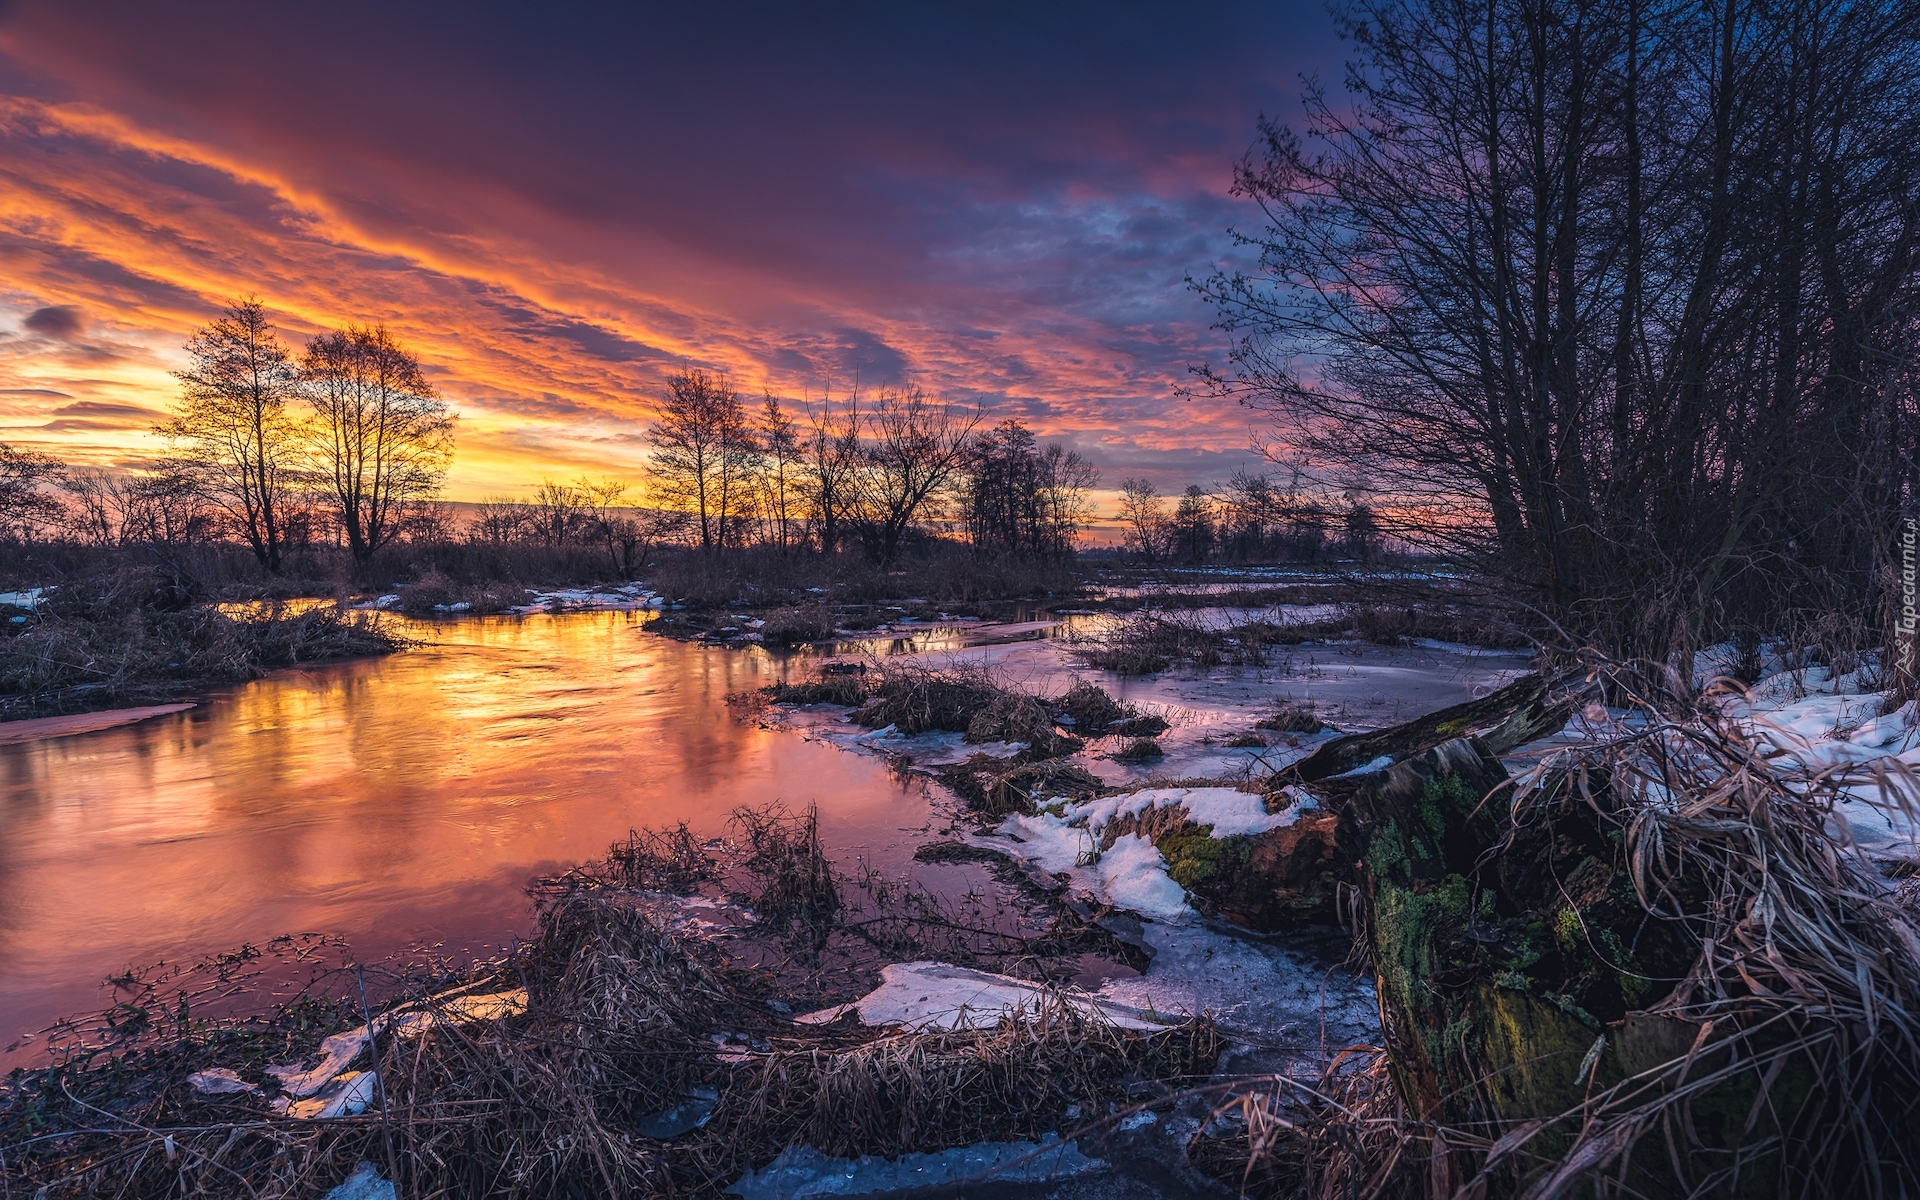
(917, 448)
(704, 453)
(383, 439)
(1617, 290)
(1145, 517)
(782, 470)
(1192, 529)
(831, 470)
(27, 502)
(561, 515)
(1018, 498)
(232, 428)
(501, 520)
(628, 535)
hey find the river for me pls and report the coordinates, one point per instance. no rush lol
(397, 801)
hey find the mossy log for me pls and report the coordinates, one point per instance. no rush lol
(1512, 962)
(1528, 708)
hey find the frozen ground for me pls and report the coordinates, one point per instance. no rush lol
(1286, 1000)
(1352, 686)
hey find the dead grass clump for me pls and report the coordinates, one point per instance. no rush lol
(139, 635)
(1026, 787)
(1089, 708)
(849, 691)
(795, 892)
(435, 595)
(1292, 718)
(1017, 717)
(1246, 741)
(670, 860)
(915, 699)
(1345, 1136)
(1018, 1080)
(1142, 749)
(795, 626)
(993, 787)
(1144, 725)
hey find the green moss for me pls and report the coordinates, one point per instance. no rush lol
(1567, 930)
(1196, 859)
(1449, 728)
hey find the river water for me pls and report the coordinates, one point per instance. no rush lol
(398, 801)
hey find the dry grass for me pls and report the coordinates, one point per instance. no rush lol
(1806, 987)
(1785, 1060)
(1339, 1138)
(795, 893)
(554, 1098)
(1292, 718)
(795, 626)
(138, 636)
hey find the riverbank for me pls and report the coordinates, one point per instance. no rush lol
(137, 637)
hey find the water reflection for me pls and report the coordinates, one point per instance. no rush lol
(394, 800)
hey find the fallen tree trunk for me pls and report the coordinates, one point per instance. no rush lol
(1528, 708)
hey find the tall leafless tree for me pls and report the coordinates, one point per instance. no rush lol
(1145, 518)
(382, 439)
(1018, 498)
(781, 478)
(831, 467)
(704, 454)
(232, 427)
(1622, 291)
(918, 446)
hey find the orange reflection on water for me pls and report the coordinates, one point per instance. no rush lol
(393, 800)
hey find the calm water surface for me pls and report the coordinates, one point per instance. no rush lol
(396, 801)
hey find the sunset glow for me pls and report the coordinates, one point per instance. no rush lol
(555, 215)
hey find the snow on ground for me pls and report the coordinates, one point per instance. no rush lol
(1808, 717)
(934, 995)
(1259, 991)
(1817, 721)
(1130, 874)
(28, 599)
(625, 597)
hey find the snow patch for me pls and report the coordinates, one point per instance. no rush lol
(935, 995)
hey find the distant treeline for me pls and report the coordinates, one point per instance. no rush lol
(344, 447)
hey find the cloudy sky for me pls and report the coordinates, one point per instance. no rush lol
(555, 209)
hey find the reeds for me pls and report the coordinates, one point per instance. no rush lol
(556, 1097)
(137, 635)
(1804, 997)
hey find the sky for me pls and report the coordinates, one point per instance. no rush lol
(557, 206)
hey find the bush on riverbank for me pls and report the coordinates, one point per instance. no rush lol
(140, 635)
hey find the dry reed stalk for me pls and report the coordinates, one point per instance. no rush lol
(1806, 986)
